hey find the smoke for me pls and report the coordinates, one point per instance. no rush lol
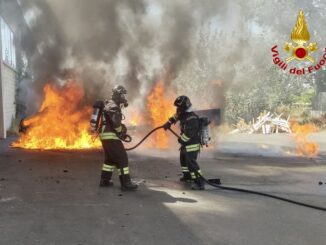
(199, 48)
(105, 42)
(233, 50)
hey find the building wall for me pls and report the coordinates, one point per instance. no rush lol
(8, 95)
(7, 78)
(2, 121)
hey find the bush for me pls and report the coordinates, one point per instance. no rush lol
(320, 122)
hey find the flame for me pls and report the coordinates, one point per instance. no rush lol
(135, 119)
(300, 33)
(160, 107)
(304, 147)
(218, 83)
(61, 122)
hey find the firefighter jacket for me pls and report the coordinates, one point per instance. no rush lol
(111, 122)
(189, 126)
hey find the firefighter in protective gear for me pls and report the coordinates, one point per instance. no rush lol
(112, 131)
(189, 140)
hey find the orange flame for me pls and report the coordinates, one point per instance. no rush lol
(135, 119)
(61, 122)
(160, 107)
(304, 147)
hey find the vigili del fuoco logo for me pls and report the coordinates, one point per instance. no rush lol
(300, 50)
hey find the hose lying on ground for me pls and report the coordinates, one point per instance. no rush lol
(262, 194)
(211, 182)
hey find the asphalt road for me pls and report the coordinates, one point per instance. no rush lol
(266, 145)
(50, 198)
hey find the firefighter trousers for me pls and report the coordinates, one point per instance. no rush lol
(189, 164)
(115, 157)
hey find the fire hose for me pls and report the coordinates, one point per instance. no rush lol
(217, 184)
(146, 136)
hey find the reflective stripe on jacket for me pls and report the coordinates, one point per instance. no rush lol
(108, 136)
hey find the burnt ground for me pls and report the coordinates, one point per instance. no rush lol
(52, 197)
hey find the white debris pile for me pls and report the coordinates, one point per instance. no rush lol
(266, 123)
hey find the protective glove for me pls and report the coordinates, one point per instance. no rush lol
(123, 136)
(167, 125)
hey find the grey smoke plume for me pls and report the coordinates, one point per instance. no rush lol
(190, 43)
(104, 42)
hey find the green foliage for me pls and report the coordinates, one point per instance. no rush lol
(305, 97)
(270, 92)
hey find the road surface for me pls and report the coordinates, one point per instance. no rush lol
(53, 198)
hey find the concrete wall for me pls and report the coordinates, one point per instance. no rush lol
(2, 120)
(8, 78)
(7, 94)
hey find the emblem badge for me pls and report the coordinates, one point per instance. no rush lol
(300, 36)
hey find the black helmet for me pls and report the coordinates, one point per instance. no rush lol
(118, 95)
(182, 103)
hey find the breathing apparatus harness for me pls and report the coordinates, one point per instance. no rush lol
(97, 122)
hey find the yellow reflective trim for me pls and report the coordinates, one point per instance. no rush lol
(193, 175)
(192, 146)
(191, 150)
(195, 147)
(109, 133)
(108, 136)
(118, 129)
(125, 170)
(108, 168)
(184, 138)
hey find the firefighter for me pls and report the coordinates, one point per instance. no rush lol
(112, 131)
(189, 140)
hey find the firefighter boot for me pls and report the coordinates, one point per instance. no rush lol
(106, 179)
(126, 183)
(198, 184)
(186, 178)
